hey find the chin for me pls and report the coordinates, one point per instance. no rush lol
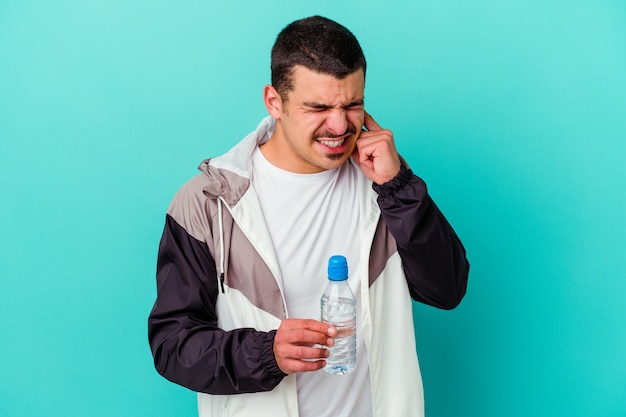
(335, 161)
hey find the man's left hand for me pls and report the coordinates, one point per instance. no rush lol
(375, 152)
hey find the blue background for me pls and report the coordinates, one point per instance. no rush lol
(513, 112)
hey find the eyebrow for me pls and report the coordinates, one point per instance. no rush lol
(322, 106)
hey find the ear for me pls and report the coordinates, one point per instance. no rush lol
(273, 102)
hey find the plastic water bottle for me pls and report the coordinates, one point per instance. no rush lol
(339, 309)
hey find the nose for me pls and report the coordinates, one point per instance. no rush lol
(337, 121)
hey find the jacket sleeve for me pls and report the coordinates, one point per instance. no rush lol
(188, 347)
(433, 257)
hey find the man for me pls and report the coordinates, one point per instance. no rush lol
(242, 260)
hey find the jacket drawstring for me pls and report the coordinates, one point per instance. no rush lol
(221, 227)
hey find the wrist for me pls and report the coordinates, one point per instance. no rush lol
(397, 183)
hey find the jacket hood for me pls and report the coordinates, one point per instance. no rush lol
(229, 174)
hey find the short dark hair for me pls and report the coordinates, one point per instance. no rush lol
(318, 44)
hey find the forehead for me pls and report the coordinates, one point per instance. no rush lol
(310, 85)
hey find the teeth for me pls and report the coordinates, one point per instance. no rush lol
(332, 143)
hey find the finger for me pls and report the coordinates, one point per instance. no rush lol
(290, 351)
(370, 123)
(292, 358)
(306, 352)
(369, 145)
(312, 325)
(371, 136)
(366, 155)
(295, 331)
(304, 337)
(290, 366)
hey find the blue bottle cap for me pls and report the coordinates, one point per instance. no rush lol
(337, 268)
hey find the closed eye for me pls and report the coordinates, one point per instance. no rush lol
(317, 106)
(354, 105)
(320, 107)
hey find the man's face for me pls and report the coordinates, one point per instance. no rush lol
(317, 126)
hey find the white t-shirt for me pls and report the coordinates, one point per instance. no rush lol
(311, 217)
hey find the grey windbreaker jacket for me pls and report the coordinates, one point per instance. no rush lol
(219, 289)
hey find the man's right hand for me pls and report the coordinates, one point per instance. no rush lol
(294, 345)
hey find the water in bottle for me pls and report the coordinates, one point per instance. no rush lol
(339, 309)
